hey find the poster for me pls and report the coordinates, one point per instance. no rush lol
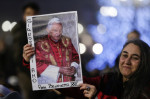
(56, 62)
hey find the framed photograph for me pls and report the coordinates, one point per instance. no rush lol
(56, 63)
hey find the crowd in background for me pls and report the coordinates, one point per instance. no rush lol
(14, 76)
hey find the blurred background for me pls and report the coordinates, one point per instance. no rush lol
(103, 27)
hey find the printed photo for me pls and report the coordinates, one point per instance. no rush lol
(56, 63)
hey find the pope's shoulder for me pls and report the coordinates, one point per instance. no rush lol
(42, 39)
(65, 37)
(45, 39)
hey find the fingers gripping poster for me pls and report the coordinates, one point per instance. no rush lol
(56, 62)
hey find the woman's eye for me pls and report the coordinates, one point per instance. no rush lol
(125, 55)
(135, 58)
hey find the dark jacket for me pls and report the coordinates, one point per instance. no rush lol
(19, 40)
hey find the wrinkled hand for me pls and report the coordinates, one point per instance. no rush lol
(69, 71)
(89, 93)
(28, 51)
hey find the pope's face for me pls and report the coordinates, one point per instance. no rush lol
(129, 60)
(56, 31)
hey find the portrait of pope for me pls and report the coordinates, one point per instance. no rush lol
(56, 58)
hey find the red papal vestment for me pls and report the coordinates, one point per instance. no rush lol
(61, 53)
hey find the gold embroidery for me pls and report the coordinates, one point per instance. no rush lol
(67, 52)
(58, 50)
(67, 55)
(63, 49)
(46, 56)
(67, 58)
(60, 80)
(52, 60)
(45, 46)
(63, 41)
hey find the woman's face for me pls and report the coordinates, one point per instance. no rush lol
(129, 60)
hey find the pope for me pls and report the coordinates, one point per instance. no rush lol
(56, 57)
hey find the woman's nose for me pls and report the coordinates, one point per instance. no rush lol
(128, 61)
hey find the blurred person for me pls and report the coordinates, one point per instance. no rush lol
(6, 62)
(2, 61)
(131, 82)
(6, 93)
(19, 31)
(56, 57)
(19, 39)
(133, 35)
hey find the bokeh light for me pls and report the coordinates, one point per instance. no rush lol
(80, 28)
(86, 39)
(101, 29)
(7, 26)
(123, 0)
(97, 48)
(108, 11)
(82, 48)
(128, 15)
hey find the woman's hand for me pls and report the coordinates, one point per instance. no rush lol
(28, 51)
(89, 90)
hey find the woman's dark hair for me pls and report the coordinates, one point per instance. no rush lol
(32, 5)
(136, 83)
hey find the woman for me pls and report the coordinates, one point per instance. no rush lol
(132, 82)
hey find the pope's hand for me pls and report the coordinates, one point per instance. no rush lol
(28, 51)
(89, 90)
(69, 71)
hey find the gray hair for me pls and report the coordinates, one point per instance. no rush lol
(53, 20)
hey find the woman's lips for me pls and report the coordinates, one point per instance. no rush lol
(127, 67)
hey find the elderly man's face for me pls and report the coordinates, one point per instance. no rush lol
(56, 31)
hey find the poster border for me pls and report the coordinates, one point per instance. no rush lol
(33, 71)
